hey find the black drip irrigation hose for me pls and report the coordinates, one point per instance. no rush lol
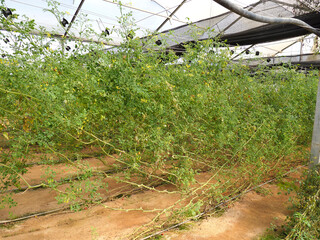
(64, 180)
(33, 215)
(121, 195)
(220, 204)
(140, 190)
(72, 159)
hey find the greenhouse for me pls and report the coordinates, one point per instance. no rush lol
(155, 119)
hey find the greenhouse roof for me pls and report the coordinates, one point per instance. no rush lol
(237, 30)
(150, 15)
(179, 21)
(147, 15)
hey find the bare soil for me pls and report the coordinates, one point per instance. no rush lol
(247, 218)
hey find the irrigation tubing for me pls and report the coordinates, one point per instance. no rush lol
(120, 195)
(72, 159)
(64, 180)
(167, 229)
(220, 204)
(33, 215)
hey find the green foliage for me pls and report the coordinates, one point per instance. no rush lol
(7, 201)
(164, 120)
(305, 222)
(83, 192)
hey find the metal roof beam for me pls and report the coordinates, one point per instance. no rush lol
(170, 16)
(145, 11)
(291, 44)
(167, 10)
(60, 36)
(74, 18)
(242, 52)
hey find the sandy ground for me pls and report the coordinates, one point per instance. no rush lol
(247, 218)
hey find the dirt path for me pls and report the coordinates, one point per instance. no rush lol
(246, 219)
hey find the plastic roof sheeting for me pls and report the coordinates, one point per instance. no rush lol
(147, 14)
(205, 17)
(241, 31)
